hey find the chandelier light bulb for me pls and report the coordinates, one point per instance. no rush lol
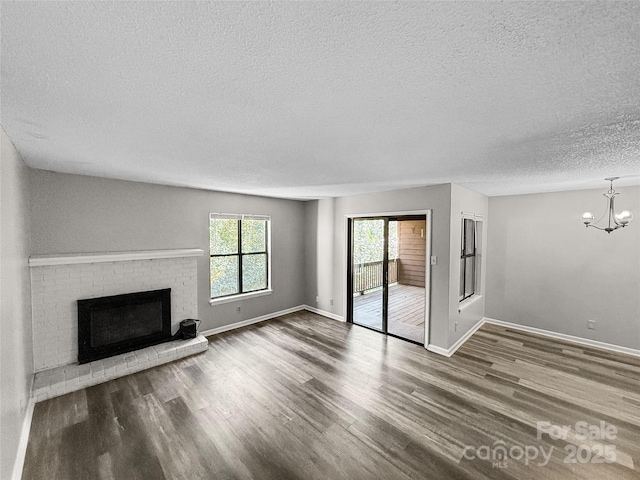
(587, 218)
(623, 217)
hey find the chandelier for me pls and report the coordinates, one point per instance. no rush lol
(614, 220)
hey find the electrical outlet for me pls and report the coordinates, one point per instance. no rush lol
(332, 301)
(434, 260)
(455, 327)
(591, 324)
(317, 299)
(238, 309)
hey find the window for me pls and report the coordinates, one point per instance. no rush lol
(470, 257)
(240, 254)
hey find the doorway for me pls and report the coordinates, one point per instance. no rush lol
(387, 274)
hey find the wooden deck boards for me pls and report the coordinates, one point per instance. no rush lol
(305, 397)
(406, 311)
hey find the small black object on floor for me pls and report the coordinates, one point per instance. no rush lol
(188, 329)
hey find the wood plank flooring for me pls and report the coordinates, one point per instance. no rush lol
(406, 311)
(305, 397)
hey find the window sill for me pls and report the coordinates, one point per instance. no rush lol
(241, 296)
(468, 302)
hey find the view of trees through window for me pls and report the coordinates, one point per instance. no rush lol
(233, 250)
(368, 241)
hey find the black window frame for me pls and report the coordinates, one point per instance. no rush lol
(464, 255)
(267, 252)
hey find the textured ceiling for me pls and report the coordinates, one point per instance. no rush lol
(305, 100)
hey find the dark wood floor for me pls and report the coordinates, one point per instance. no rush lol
(304, 397)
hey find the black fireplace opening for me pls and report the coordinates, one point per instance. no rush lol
(117, 324)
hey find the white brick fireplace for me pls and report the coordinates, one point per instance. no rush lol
(57, 282)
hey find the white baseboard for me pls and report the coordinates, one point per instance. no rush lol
(447, 352)
(565, 337)
(269, 316)
(439, 350)
(24, 440)
(250, 321)
(324, 313)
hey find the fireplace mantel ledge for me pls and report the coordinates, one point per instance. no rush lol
(77, 258)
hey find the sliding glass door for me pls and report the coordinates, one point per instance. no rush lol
(386, 275)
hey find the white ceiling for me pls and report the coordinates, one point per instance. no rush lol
(306, 100)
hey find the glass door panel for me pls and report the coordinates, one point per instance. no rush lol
(406, 290)
(368, 245)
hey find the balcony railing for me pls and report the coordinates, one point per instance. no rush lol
(367, 276)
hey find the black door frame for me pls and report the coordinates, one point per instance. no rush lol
(385, 271)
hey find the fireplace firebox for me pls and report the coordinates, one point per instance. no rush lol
(117, 324)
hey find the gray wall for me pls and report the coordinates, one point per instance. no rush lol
(16, 364)
(546, 270)
(326, 234)
(79, 214)
(321, 264)
(469, 313)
